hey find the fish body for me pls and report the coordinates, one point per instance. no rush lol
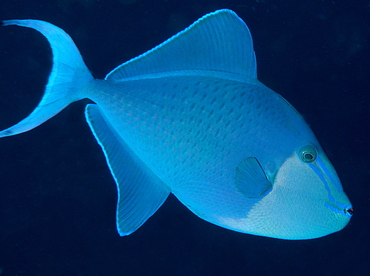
(189, 117)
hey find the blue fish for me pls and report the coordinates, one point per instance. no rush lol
(189, 117)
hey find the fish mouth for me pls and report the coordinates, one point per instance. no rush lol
(349, 211)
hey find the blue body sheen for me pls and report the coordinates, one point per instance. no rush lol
(189, 117)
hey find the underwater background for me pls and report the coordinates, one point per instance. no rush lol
(58, 199)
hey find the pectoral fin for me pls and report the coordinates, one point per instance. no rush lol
(251, 180)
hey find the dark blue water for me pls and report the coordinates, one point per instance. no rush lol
(57, 197)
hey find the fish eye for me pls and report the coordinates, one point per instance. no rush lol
(308, 154)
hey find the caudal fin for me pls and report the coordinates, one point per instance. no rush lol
(67, 79)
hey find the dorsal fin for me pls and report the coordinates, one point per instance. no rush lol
(218, 43)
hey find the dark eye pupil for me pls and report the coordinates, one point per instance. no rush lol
(308, 156)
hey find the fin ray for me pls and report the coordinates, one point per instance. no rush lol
(207, 45)
(140, 192)
(250, 179)
(66, 78)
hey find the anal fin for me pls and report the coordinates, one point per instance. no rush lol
(140, 192)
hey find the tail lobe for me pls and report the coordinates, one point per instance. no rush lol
(67, 79)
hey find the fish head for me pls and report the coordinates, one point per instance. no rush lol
(307, 200)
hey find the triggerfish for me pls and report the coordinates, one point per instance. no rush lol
(189, 117)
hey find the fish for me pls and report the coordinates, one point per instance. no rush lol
(190, 118)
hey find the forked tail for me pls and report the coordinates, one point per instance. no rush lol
(68, 78)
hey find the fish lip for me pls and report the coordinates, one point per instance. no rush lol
(348, 211)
